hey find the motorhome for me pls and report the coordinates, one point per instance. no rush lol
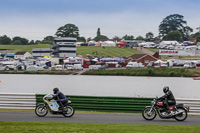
(134, 65)
(190, 64)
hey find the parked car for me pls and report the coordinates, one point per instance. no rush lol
(121, 44)
(103, 65)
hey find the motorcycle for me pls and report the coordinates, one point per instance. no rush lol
(178, 112)
(51, 105)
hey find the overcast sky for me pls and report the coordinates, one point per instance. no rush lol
(36, 19)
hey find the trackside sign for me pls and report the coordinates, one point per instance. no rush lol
(179, 52)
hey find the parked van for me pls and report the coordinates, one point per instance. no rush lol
(77, 67)
(191, 64)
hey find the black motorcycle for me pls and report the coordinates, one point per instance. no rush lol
(178, 112)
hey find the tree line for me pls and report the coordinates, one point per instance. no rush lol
(172, 27)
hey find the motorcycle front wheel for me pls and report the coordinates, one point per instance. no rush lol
(41, 110)
(149, 115)
(182, 116)
(68, 111)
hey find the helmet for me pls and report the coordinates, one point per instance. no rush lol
(55, 90)
(165, 89)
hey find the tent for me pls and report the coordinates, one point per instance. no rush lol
(47, 57)
(169, 43)
(108, 43)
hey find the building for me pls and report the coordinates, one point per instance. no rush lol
(22, 55)
(142, 58)
(64, 47)
(41, 52)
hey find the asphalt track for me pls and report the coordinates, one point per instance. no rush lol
(97, 118)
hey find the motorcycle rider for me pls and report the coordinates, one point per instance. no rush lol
(168, 99)
(60, 97)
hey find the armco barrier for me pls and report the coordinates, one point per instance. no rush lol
(17, 101)
(90, 103)
(108, 104)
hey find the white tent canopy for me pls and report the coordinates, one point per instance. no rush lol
(169, 43)
(108, 43)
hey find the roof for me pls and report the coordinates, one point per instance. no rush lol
(139, 56)
(20, 53)
(10, 54)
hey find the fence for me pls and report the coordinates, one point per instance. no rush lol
(92, 103)
(17, 101)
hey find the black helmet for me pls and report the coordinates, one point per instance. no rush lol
(55, 90)
(165, 89)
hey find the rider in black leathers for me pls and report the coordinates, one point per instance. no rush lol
(60, 97)
(168, 99)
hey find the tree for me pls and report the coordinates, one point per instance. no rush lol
(5, 40)
(149, 36)
(139, 38)
(19, 41)
(101, 37)
(174, 22)
(81, 39)
(98, 32)
(68, 30)
(197, 36)
(48, 38)
(89, 39)
(126, 37)
(173, 35)
(198, 28)
(31, 42)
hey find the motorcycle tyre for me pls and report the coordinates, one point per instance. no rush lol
(41, 105)
(179, 114)
(69, 115)
(155, 114)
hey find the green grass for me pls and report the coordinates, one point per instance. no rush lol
(162, 72)
(21, 48)
(153, 49)
(45, 127)
(83, 50)
(107, 51)
(59, 72)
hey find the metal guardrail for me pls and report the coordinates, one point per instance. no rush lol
(193, 104)
(17, 101)
(91, 103)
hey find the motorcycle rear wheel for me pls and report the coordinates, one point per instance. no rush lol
(149, 115)
(182, 116)
(68, 111)
(41, 110)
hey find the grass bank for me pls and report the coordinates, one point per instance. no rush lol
(106, 51)
(162, 72)
(83, 50)
(45, 127)
(27, 48)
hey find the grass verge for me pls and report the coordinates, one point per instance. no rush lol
(47, 127)
(60, 72)
(162, 72)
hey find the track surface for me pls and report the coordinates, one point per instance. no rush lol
(97, 118)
